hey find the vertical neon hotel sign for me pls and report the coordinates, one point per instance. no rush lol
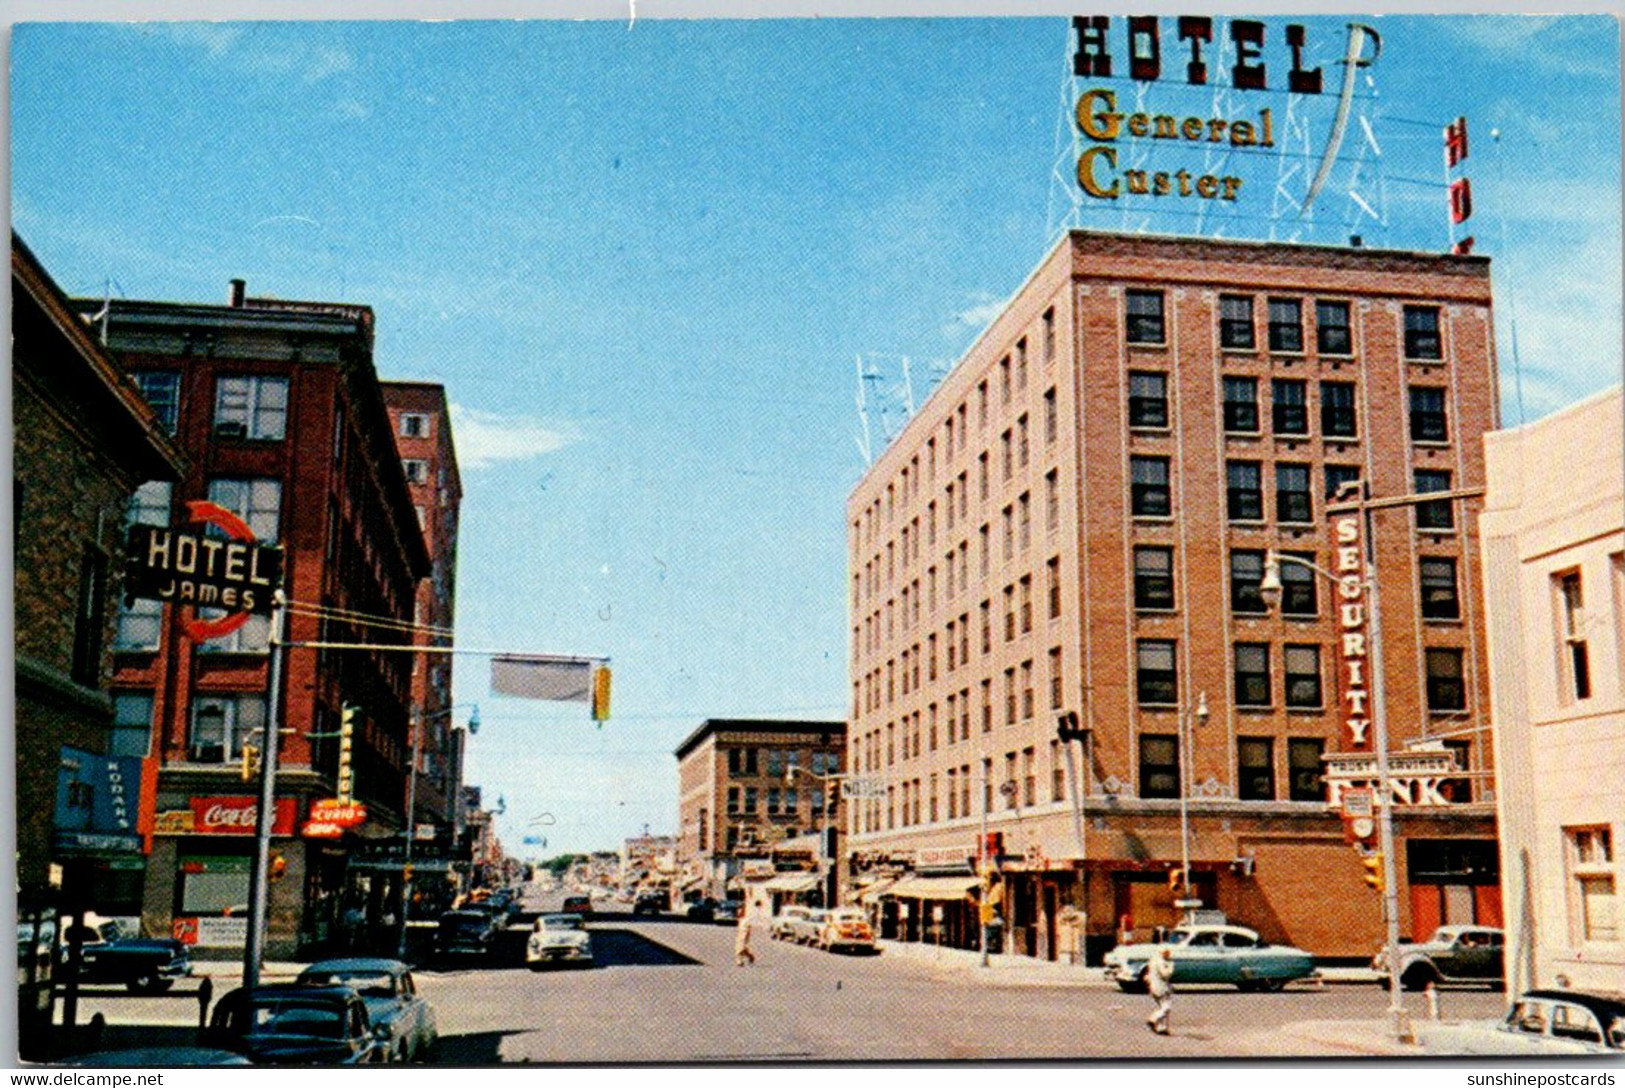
(1099, 119)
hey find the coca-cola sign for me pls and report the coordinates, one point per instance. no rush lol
(237, 815)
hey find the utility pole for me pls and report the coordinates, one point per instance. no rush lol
(259, 885)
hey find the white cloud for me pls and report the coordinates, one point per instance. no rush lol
(981, 313)
(349, 109)
(487, 438)
(261, 53)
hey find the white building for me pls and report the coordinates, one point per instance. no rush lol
(1554, 555)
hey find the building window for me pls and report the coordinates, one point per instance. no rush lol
(750, 799)
(1056, 687)
(1149, 489)
(1236, 322)
(1289, 407)
(257, 501)
(1049, 334)
(132, 724)
(1147, 399)
(1255, 758)
(140, 624)
(1302, 677)
(1576, 679)
(1156, 681)
(1054, 587)
(1241, 405)
(1337, 417)
(1297, 588)
(733, 761)
(1439, 598)
(1422, 333)
(1286, 324)
(1293, 500)
(1052, 421)
(1590, 856)
(417, 471)
(222, 724)
(733, 800)
(1427, 415)
(1159, 765)
(1244, 491)
(1433, 515)
(251, 406)
(1153, 577)
(1246, 575)
(750, 768)
(1252, 674)
(161, 389)
(414, 425)
(1332, 328)
(1052, 500)
(1337, 476)
(1459, 790)
(1445, 688)
(1145, 317)
(1004, 380)
(1303, 756)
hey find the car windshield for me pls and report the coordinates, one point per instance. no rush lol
(847, 916)
(465, 923)
(560, 921)
(296, 1018)
(365, 983)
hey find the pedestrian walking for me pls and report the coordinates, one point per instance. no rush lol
(742, 953)
(1159, 975)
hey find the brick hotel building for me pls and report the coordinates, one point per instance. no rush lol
(1077, 520)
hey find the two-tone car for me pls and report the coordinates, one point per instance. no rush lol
(785, 922)
(848, 928)
(1454, 954)
(1225, 955)
(393, 1002)
(1541, 1023)
(559, 940)
(298, 1025)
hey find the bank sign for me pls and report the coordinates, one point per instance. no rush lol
(187, 567)
(1134, 151)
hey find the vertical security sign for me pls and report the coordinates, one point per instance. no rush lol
(192, 569)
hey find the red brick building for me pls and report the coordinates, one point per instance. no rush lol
(280, 412)
(1078, 519)
(421, 421)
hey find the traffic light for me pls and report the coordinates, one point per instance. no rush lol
(1176, 879)
(1373, 870)
(1067, 728)
(345, 786)
(278, 867)
(600, 693)
(251, 762)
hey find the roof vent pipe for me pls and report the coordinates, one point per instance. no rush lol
(238, 288)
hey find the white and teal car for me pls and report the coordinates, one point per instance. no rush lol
(1232, 955)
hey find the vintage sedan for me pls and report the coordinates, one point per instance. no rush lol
(1231, 955)
(298, 1025)
(1542, 1023)
(559, 939)
(846, 927)
(1453, 954)
(392, 999)
(113, 954)
(467, 932)
(785, 922)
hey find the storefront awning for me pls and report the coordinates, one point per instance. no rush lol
(876, 889)
(792, 882)
(933, 887)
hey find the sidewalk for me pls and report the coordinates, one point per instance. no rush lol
(1011, 970)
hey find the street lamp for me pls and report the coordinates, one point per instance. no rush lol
(1186, 778)
(826, 849)
(410, 823)
(1270, 590)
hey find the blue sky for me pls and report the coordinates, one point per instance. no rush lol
(644, 260)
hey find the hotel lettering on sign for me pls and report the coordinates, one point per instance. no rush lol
(1349, 540)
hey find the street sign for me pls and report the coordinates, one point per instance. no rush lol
(1357, 803)
(870, 788)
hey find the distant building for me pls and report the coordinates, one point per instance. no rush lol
(83, 442)
(648, 859)
(421, 420)
(279, 410)
(1554, 565)
(1077, 521)
(746, 785)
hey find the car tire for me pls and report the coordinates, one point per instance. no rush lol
(1272, 985)
(1418, 976)
(1131, 986)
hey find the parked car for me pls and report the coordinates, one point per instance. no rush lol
(1208, 953)
(805, 929)
(1452, 954)
(727, 912)
(1541, 1023)
(559, 938)
(701, 910)
(846, 927)
(577, 904)
(298, 1025)
(466, 932)
(651, 903)
(785, 922)
(392, 1000)
(145, 965)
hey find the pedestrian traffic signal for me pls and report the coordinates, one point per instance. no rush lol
(251, 762)
(1373, 870)
(600, 694)
(278, 867)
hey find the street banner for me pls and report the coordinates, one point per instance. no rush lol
(540, 676)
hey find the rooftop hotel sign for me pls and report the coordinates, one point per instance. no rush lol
(1103, 170)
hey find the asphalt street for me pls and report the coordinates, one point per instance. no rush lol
(666, 990)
